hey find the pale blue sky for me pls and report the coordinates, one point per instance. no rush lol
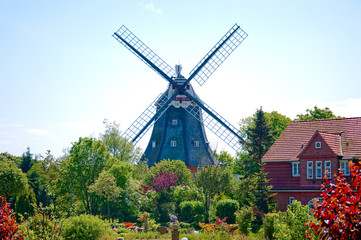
(62, 73)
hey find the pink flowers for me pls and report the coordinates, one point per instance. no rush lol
(164, 180)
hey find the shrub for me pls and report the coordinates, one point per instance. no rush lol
(84, 227)
(191, 211)
(292, 223)
(8, 226)
(339, 213)
(269, 225)
(244, 218)
(227, 208)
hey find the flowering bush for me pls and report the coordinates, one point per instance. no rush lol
(8, 227)
(164, 180)
(339, 212)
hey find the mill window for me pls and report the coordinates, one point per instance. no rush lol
(174, 122)
(196, 143)
(154, 144)
(173, 143)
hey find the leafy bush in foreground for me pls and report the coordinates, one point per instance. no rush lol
(84, 227)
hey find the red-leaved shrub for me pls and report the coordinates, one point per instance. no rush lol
(8, 226)
(339, 212)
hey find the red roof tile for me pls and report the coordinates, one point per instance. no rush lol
(297, 135)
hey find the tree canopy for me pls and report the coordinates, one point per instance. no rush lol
(316, 114)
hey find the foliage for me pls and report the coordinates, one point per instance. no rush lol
(12, 180)
(118, 146)
(25, 204)
(87, 227)
(164, 180)
(260, 140)
(191, 211)
(244, 218)
(276, 121)
(339, 212)
(106, 188)
(224, 158)
(227, 208)
(316, 114)
(122, 171)
(212, 180)
(177, 167)
(8, 157)
(39, 183)
(87, 159)
(8, 226)
(291, 224)
(43, 225)
(269, 225)
(144, 218)
(27, 161)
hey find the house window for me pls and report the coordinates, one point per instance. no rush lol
(174, 122)
(296, 169)
(196, 143)
(313, 202)
(154, 144)
(328, 169)
(290, 200)
(309, 170)
(318, 170)
(317, 145)
(345, 168)
(173, 143)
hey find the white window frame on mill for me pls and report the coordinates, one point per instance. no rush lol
(174, 122)
(196, 144)
(309, 169)
(345, 168)
(154, 144)
(173, 143)
(295, 169)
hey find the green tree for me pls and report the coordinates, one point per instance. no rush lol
(259, 140)
(27, 161)
(212, 180)
(9, 157)
(316, 114)
(25, 204)
(87, 159)
(122, 172)
(224, 158)
(175, 166)
(276, 122)
(12, 180)
(106, 187)
(118, 146)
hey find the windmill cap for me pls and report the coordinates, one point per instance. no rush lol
(178, 69)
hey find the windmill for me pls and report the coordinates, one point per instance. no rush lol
(178, 114)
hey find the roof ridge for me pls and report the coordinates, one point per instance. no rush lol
(324, 120)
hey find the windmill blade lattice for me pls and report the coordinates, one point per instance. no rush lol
(215, 57)
(142, 124)
(138, 48)
(217, 124)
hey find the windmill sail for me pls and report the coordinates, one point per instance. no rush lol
(216, 56)
(138, 48)
(216, 123)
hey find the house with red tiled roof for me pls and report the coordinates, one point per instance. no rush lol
(307, 151)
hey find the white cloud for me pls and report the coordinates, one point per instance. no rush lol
(5, 142)
(38, 132)
(152, 8)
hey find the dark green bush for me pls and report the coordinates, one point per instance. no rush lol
(84, 227)
(191, 211)
(269, 225)
(227, 208)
